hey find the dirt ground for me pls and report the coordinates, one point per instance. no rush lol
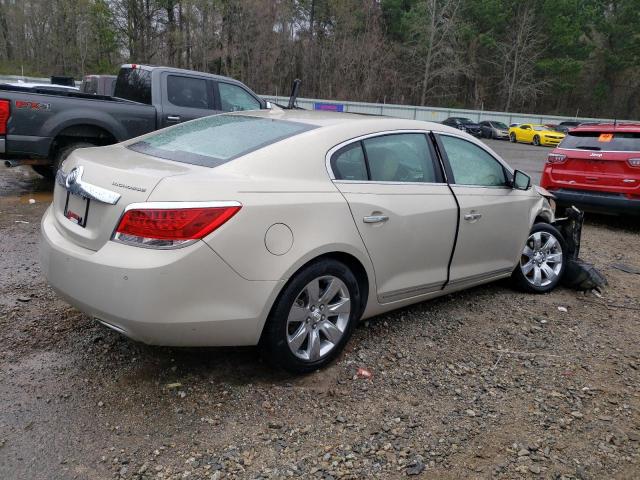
(487, 383)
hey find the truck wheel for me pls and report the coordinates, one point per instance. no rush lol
(49, 171)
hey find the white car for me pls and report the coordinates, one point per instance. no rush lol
(284, 228)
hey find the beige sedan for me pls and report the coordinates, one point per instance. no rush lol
(284, 228)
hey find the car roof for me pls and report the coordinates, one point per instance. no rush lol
(631, 127)
(181, 71)
(322, 118)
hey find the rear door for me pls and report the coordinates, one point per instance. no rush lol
(600, 161)
(494, 218)
(402, 208)
(185, 97)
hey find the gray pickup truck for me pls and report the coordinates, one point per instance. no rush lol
(40, 127)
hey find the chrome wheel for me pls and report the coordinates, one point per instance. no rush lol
(541, 260)
(318, 318)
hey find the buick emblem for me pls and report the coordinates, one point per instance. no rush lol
(73, 177)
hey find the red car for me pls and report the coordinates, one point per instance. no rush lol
(597, 168)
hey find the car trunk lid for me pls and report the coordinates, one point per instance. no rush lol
(116, 177)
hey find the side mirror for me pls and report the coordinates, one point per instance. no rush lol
(521, 181)
(268, 105)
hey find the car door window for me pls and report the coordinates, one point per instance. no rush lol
(404, 157)
(188, 92)
(348, 163)
(234, 98)
(471, 165)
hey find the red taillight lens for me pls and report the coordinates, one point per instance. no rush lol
(556, 158)
(634, 162)
(4, 116)
(171, 227)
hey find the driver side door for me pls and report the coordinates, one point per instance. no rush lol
(494, 218)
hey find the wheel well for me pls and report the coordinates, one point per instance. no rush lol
(81, 133)
(358, 270)
(541, 219)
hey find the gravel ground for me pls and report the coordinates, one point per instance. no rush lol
(487, 383)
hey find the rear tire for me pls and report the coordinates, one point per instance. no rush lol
(542, 261)
(313, 317)
(512, 137)
(49, 171)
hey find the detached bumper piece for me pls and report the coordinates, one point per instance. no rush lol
(578, 274)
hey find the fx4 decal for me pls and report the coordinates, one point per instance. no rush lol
(33, 105)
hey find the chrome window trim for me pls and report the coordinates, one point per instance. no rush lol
(334, 149)
(505, 165)
(73, 183)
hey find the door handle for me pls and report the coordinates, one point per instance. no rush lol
(472, 216)
(375, 219)
(173, 118)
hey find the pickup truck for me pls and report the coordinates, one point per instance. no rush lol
(41, 127)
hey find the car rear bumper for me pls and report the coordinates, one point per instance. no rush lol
(600, 202)
(24, 146)
(181, 297)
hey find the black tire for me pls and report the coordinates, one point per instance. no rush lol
(49, 171)
(522, 280)
(536, 140)
(512, 137)
(274, 345)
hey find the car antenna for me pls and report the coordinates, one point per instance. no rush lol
(295, 89)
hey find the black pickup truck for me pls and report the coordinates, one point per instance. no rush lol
(40, 127)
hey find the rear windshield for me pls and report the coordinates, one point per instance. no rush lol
(134, 84)
(613, 142)
(212, 141)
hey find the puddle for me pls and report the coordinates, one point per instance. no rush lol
(21, 184)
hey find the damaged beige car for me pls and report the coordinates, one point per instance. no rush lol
(284, 228)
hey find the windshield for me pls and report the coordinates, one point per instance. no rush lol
(540, 128)
(499, 125)
(612, 142)
(212, 141)
(466, 120)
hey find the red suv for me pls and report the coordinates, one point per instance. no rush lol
(597, 168)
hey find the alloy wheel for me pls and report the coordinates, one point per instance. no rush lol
(318, 318)
(541, 260)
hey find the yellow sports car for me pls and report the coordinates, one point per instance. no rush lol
(535, 134)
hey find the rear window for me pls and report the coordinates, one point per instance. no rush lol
(613, 142)
(134, 84)
(212, 141)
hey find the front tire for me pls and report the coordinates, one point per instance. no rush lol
(542, 261)
(313, 317)
(536, 141)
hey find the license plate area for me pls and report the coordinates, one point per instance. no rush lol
(76, 209)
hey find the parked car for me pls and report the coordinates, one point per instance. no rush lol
(464, 124)
(567, 125)
(44, 127)
(535, 134)
(41, 87)
(199, 234)
(597, 168)
(99, 84)
(493, 129)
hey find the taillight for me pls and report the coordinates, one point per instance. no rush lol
(556, 158)
(4, 116)
(171, 225)
(634, 162)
